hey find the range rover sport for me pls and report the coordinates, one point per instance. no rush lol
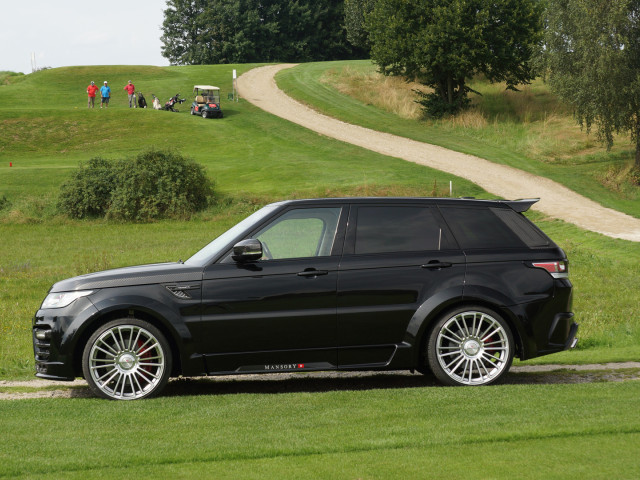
(457, 287)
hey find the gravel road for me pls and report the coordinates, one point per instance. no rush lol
(258, 87)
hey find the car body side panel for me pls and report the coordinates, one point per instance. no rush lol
(378, 296)
(253, 314)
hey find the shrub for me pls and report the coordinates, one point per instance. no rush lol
(88, 192)
(154, 184)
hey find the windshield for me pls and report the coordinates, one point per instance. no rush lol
(220, 244)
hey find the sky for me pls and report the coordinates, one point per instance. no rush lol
(65, 33)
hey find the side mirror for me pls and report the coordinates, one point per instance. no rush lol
(248, 250)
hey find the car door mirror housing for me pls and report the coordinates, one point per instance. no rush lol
(249, 250)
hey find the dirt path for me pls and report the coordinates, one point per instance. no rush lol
(328, 381)
(258, 87)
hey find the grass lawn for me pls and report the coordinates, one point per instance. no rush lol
(509, 431)
(417, 431)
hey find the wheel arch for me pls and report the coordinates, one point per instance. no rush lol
(427, 316)
(153, 318)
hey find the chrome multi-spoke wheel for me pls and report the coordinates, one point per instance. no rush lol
(470, 347)
(126, 359)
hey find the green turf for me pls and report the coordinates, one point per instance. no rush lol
(284, 429)
(511, 431)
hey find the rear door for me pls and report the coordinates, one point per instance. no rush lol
(396, 257)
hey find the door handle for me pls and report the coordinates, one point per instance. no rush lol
(436, 264)
(312, 272)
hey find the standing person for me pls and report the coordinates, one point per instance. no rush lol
(105, 91)
(130, 88)
(91, 91)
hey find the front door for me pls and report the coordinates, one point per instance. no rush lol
(277, 313)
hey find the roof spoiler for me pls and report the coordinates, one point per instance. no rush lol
(521, 205)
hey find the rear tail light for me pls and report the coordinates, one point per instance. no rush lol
(557, 269)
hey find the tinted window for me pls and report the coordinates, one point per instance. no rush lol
(398, 229)
(479, 228)
(521, 226)
(303, 232)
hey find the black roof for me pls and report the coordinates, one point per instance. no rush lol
(521, 205)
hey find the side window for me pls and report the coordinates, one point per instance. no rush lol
(303, 232)
(480, 228)
(398, 229)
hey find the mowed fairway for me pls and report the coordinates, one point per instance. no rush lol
(291, 429)
(510, 431)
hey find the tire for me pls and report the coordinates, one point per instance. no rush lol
(193, 112)
(127, 359)
(470, 346)
(204, 114)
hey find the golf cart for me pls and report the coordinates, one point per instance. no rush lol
(206, 102)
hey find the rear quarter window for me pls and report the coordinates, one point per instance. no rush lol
(477, 227)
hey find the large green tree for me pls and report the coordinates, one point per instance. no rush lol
(444, 43)
(593, 56)
(240, 31)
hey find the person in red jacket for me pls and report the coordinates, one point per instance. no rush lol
(130, 88)
(91, 91)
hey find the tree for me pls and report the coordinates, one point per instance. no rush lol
(241, 31)
(444, 43)
(355, 12)
(593, 57)
(183, 26)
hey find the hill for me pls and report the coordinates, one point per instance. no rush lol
(47, 130)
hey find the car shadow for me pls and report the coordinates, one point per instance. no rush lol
(295, 383)
(323, 382)
(281, 383)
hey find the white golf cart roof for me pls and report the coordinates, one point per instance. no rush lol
(204, 87)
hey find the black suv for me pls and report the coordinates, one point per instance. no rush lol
(452, 286)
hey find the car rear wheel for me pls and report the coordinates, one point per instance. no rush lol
(470, 346)
(204, 114)
(127, 359)
(193, 111)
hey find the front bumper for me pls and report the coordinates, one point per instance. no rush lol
(54, 334)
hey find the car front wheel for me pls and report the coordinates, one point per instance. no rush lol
(204, 114)
(470, 346)
(127, 359)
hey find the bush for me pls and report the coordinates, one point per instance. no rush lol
(88, 193)
(154, 184)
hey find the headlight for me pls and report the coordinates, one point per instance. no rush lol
(63, 299)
